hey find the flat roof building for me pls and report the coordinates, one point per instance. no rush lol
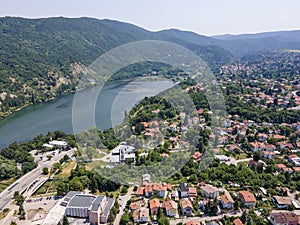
(96, 209)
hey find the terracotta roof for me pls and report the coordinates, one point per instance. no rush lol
(237, 221)
(148, 189)
(140, 191)
(134, 205)
(192, 191)
(277, 136)
(225, 199)
(193, 222)
(196, 155)
(296, 169)
(284, 217)
(169, 204)
(247, 196)
(280, 166)
(154, 203)
(186, 203)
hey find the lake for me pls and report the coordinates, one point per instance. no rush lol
(113, 101)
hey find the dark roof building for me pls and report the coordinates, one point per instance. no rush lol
(96, 209)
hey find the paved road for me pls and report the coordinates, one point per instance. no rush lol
(123, 202)
(22, 183)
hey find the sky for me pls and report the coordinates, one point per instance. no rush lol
(207, 17)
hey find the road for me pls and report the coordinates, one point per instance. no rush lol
(123, 202)
(22, 183)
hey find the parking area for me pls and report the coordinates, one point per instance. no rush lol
(42, 203)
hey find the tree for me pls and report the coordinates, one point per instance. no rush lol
(61, 187)
(244, 216)
(13, 223)
(75, 184)
(45, 171)
(124, 219)
(257, 156)
(19, 200)
(237, 204)
(65, 221)
(163, 220)
(22, 213)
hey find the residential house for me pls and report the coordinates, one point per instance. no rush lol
(269, 155)
(283, 218)
(209, 191)
(140, 191)
(141, 216)
(255, 146)
(192, 192)
(184, 190)
(226, 201)
(197, 156)
(134, 206)
(170, 207)
(160, 189)
(148, 191)
(193, 222)
(269, 147)
(154, 205)
(237, 221)
(282, 202)
(247, 199)
(262, 137)
(186, 207)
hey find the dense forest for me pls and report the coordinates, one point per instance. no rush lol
(43, 58)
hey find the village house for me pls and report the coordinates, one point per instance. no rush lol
(141, 216)
(283, 218)
(192, 192)
(262, 137)
(197, 156)
(184, 190)
(226, 201)
(170, 207)
(237, 221)
(134, 206)
(154, 205)
(282, 202)
(186, 207)
(247, 199)
(193, 222)
(209, 191)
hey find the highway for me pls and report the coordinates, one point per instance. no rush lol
(22, 183)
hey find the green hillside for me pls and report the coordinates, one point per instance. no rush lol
(42, 58)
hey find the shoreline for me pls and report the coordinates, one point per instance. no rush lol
(148, 78)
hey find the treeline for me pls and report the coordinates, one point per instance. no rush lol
(81, 179)
(19, 153)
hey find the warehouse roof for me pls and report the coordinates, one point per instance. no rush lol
(82, 201)
(97, 203)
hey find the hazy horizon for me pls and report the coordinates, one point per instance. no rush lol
(215, 17)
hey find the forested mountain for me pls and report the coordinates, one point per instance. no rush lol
(42, 58)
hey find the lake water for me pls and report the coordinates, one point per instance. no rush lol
(114, 100)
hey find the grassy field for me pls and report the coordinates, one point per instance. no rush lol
(5, 183)
(4, 213)
(66, 170)
(42, 190)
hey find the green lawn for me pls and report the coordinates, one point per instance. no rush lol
(5, 183)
